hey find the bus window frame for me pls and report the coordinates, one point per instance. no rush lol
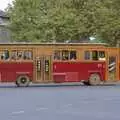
(21, 49)
(69, 50)
(98, 50)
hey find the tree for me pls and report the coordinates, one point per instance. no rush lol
(60, 20)
(108, 24)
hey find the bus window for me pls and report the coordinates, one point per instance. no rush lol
(27, 55)
(94, 55)
(101, 55)
(87, 55)
(57, 55)
(73, 55)
(65, 55)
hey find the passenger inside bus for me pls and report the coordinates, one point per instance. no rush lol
(19, 55)
(102, 55)
(57, 55)
(13, 55)
(95, 55)
(27, 55)
(65, 55)
(87, 55)
(98, 55)
(73, 55)
(16, 55)
(5, 55)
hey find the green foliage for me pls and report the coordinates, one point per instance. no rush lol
(60, 20)
(109, 22)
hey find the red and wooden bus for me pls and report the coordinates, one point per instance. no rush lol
(23, 63)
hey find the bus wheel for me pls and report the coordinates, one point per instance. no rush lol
(23, 81)
(94, 79)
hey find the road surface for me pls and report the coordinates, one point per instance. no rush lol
(60, 103)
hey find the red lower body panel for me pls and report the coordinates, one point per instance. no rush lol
(66, 77)
(77, 71)
(10, 71)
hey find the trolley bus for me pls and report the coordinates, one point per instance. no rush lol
(23, 63)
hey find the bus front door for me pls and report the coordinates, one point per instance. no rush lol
(43, 69)
(113, 67)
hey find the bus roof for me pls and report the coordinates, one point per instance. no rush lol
(42, 44)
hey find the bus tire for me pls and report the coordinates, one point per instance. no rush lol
(86, 83)
(94, 79)
(23, 81)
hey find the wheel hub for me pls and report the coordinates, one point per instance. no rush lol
(23, 80)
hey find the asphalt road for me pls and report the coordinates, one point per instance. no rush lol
(60, 103)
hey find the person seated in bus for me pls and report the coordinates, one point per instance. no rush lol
(2, 57)
(6, 54)
(73, 58)
(27, 55)
(57, 55)
(30, 55)
(13, 55)
(102, 55)
(73, 55)
(19, 56)
(64, 57)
